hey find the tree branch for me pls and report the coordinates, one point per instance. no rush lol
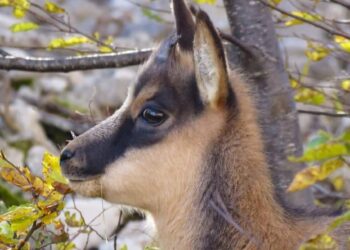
(68, 64)
(317, 25)
(346, 5)
(89, 62)
(312, 112)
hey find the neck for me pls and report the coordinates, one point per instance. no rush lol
(233, 204)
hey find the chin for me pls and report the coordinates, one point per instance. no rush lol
(89, 188)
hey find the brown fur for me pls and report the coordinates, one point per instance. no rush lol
(206, 182)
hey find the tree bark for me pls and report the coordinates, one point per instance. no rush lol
(251, 22)
(73, 63)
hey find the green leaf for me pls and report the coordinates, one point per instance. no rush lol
(322, 152)
(152, 15)
(340, 220)
(321, 138)
(72, 221)
(53, 8)
(6, 233)
(21, 217)
(124, 247)
(346, 136)
(25, 26)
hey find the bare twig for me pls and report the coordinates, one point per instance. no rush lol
(320, 26)
(3, 53)
(149, 7)
(74, 63)
(311, 112)
(89, 62)
(235, 41)
(344, 4)
(34, 227)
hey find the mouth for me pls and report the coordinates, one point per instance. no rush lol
(89, 186)
(81, 179)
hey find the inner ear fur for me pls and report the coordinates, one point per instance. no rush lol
(210, 62)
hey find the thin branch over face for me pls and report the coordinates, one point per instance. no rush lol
(74, 63)
(89, 62)
(315, 24)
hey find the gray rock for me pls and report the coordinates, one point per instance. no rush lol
(34, 159)
(53, 84)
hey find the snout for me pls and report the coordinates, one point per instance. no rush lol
(87, 156)
(73, 163)
(79, 160)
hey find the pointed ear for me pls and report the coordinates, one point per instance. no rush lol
(184, 24)
(210, 62)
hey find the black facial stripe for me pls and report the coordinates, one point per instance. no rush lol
(104, 151)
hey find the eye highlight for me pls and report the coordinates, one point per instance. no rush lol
(153, 116)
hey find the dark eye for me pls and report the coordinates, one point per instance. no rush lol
(153, 116)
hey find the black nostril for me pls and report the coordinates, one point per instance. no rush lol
(66, 155)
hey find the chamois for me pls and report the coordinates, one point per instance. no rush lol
(186, 146)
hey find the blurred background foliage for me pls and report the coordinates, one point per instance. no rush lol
(39, 111)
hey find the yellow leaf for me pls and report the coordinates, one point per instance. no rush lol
(275, 2)
(345, 85)
(25, 26)
(48, 219)
(329, 167)
(4, 3)
(20, 8)
(311, 175)
(316, 52)
(338, 183)
(294, 83)
(343, 42)
(105, 49)
(97, 36)
(51, 7)
(304, 15)
(309, 96)
(304, 179)
(68, 42)
(205, 1)
(66, 246)
(51, 169)
(320, 242)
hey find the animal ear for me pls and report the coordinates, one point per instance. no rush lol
(210, 62)
(184, 24)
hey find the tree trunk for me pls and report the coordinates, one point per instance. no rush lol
(251, 22)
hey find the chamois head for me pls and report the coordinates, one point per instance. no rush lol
(150, 151)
